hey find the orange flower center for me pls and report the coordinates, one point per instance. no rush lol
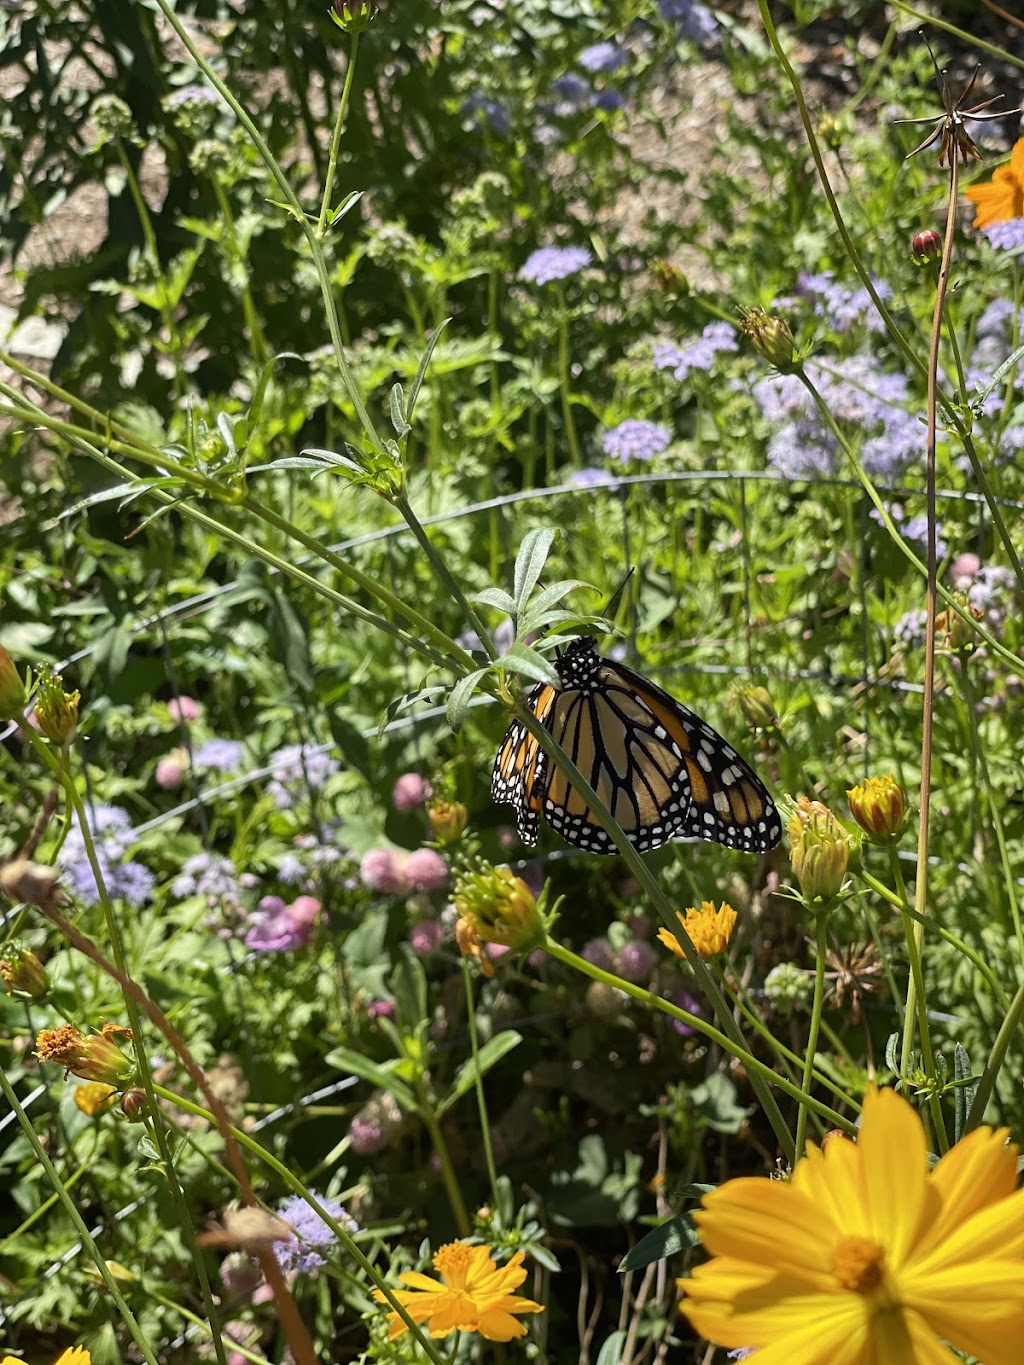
(858, 1263)
(452, 1261)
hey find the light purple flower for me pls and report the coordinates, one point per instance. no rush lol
(482, 110)
(191, 94)
(572, 89)
(698, 354)
(221, 755)
(635, 960)
(598, 952)
(602, 57)
(125, 880)
(635, 439)
(410, 791)
(608, 101)
(274, 933)
(684, 1001)
(426, 870)
(290, 869)
(207, 874)
(311, 1236)
(695, 20)
(910, 629)
(590, 478)
(503, 636)
(992, 593)
(916, 529)
(298, 769)
(843, 307)
(1007, 235)
(550, 263)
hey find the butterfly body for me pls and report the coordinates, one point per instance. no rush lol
(661, 770)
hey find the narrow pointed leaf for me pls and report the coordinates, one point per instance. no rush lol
(530, 562)
(458, 702)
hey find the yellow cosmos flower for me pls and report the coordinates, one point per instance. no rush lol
(75, 1355)
(864, 1257)
(710, 929)
(476, 1295)
(1003, 197)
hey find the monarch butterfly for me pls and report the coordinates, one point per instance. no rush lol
(661, 771)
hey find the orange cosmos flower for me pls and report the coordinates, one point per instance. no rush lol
(1003, 197)
(710, 930)
(476, 1295)
(866, 1257)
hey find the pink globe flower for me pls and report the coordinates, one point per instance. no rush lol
(381, 1009)
(382, 870)
(496, 951)
(426, 870)
(635, 960)
(964, 570)
(183, 709)
(171, 770)
(425, 937)
(410, 791)
(304, 912)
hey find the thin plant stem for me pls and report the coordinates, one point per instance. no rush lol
(339, 125)
(994, 1062)
(1001, 54)
(478, 1081)
(820, 945)
(747, 1059)
(258, 345)
(181, 1311)
(563, 380)
(425, 1109)
(71, 1209)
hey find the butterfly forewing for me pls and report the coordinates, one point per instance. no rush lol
(520, 767)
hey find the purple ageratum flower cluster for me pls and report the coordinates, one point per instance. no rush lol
(635, 439)
(551, 263)
(695, 20)
(992, 593)
(298, 769)
(860, 397)
(310, 1236)
(910, 629)
(482, 111)
(1007, 235)
(591, 478)
(716, 339)
(219, 755)
(209, 875)
(503, 636)
(841, 307)
(191, 94)
(124, 879)
(280, 927)
(602, 57)
(914, 528)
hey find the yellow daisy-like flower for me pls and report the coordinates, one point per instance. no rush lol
(866, 1258)
(1003, 197)
(74, 1355)
(476, 1295)
(710, 929)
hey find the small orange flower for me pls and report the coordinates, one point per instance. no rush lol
(710, 929)
(94, 1056)
(1003, 197)
(474, 1297)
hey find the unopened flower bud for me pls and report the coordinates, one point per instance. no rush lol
(788, 989)
(352, 16)
(926, 246)
(879, 805)
(56, 710)
(500, 906)
(447, 820)
(94, 1057)
(958, 634)
(819, 853)
(12, 689)
(30, 883)
(21, 970)
(770, 337)
(133, 1104)
(670, 279)
(757, 707)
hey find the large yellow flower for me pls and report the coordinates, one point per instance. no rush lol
(864, 1258)
(475, 1298)
(1003, 197)
(710, 930)
(74, 1355)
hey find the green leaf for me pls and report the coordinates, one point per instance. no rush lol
(495, 597)
(530, 563)
(549, 596)
(398, 418)
(290, 636)
(715, 1102)
(409, 987)
(1003, 369)
(343, 1059)
(489, 1055)
(666, 1240)
(963, 1094)
(461, 694)
(417, 383)
(609, 1354)
(527, 663)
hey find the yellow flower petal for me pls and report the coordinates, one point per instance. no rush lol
(496, 1325)
(767, 1222)
(75, 1355)
(979, 1171)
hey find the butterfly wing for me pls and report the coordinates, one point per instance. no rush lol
(635, 767)
(520, 768)
(729, 804)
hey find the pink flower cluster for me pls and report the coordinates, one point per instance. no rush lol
(394, 872)
(280, 927)
(410, 791)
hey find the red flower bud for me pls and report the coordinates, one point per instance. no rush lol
(926, 246)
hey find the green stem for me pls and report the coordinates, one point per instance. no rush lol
(77, 1222)
(478, 1081)
(339, 124)
(1002, 54)
(344, 1237)
(181, 1311)
(1013, 1020)
(258, 346)
(563, 381)
(820, 945)
(753, 1065)
(425, 1109)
